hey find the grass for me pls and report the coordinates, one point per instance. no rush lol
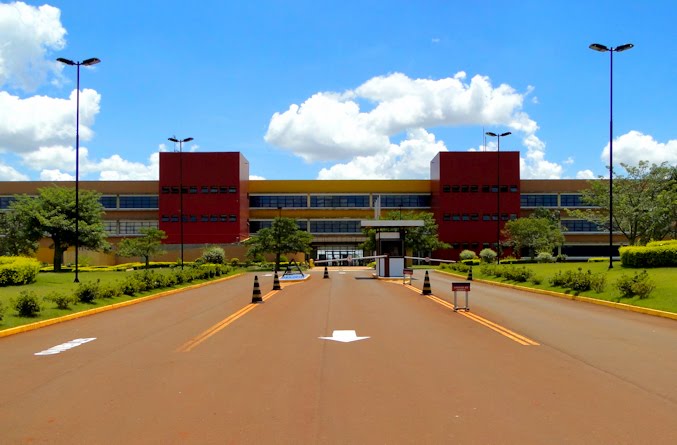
(664, 296)
(47, 282)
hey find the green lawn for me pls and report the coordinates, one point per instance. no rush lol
(664, 296)
(63, 282)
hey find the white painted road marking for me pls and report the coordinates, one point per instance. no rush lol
(65, 346)
(344, 336)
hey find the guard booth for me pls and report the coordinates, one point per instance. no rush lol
(390, 245)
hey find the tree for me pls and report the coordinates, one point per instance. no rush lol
(144, 246)
(283, 236)
(644, 202)
(52, 214)
(17, 237)
(536, 233)
(419, 239)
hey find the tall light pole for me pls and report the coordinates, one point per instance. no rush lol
(180, 142)
(611, 50)
(87, 62)
(498, 137)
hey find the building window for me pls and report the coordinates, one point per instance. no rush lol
(486, 217)
(165, 218)
(581, 225)
(573, 200)
(409, 201)
(513, 189)
(166, 189)
(474, 217)
(232, 189)
(175, 218)
(109, 202)
(139, 202)
(474, 189)
(204, 189)
(335, 226)
(175, 190)
(111, 227)
(446, 189)
(465, 217)
(338, 201)
(133, 227)
(204, 218)
(486, 189)
(192, 218)
(447, 217)
(275, 201)
(192, 189)
(455, 188)
(213, 189)
(538, 200)
(456, 217)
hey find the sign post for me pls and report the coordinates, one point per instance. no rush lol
(405, 272)
(456, 287)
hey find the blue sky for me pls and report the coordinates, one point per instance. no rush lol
(334, 90)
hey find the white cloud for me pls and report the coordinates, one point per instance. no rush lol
(408, 160)
(55, 175)
(27, 33)
(332, 126)
(569, 160)
(634, 146)
(8, 173)
(27, 124)
(256, 178)
(52, 158)
(115, 168)
(585, 174)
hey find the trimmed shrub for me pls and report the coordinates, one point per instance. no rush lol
(2, 310)
(535, 280)
(488, 255)
(87, 292)
(62, 301)
(545, 257)
(27, 304)
(214, 255)
(111, 290)
(655, 254)
(467, 255)
(235, 262)
(129, 286)
(579, 281)
(640, 284)
(18, 270)
(519, 274)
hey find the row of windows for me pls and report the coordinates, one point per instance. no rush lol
(476, 216)
(550, 200)
(201, 218)
(581, 225)
(337, 201)
(129, 202)
(5, 201)
(127, 227)
(255, 226)
(477, 188)
(321, 226)
(192, 189)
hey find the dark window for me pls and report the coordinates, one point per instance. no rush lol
(474, 217)
(494, 188)
(232, 189)
(464, 246)
(275, 201)
(109, 202)
(456, 217)
(193, 218)
(166, 189)
(255, 226)
(581, 225)
(232, 218)
(204, 218)
(513, 216)
(455, 188)
(465, 217)
(455, 245)
(223, 189)
(138, 202)
(214, 189)
(486, 217)
(474, 188)
(165, 218)
(175, 190)
(175, 218)
(571, 200)
(185, 218)
(204, 189)
(337, 201)
(193, 189)
(184, 189)
(504, 216)
(485, 189)
(447, 217)
(504, 189)
(214, 218)
(464, 188)
(474, 246)
(513, 189)
(538, 200)
(223, 218)
(446, 188)
(395, 201)
(335, 226)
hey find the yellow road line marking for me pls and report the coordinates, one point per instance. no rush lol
(192, 343)
(521, 339)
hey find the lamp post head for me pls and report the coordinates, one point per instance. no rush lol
(92, 61)
(625, 47)
(187, 140)
(599, 47)
(66, 61)
(489, 133)
(173, 139)
(506, 133)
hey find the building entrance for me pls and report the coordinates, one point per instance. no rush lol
(337, 253)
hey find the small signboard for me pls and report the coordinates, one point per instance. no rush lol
(460, 287)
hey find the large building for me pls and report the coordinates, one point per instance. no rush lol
(207, 198)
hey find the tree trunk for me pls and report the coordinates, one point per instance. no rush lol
(58, 256)
(147, 261)
(277, 261)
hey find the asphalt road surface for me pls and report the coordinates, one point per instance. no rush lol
(205, 366)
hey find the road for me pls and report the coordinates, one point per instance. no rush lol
(204, 366)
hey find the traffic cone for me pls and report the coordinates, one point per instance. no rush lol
(426, 285)
(470, 274)
(276, 283)
(256, 295)
(326, 272)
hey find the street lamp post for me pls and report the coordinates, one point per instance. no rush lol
(611, 50)
(87, 62)
(498, 137)
(180, 142)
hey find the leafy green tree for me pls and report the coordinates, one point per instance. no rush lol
(420, 240)
(17, 236)
(536, 233)
(144, 246)
(644, 202)
(283, 236)
(52, 214)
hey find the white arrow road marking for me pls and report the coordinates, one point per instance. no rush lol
(344, 336)
(65, 346)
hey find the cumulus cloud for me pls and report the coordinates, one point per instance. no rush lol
(256, 178)
(41, 121)
(115, 168)
(55, 175)
(585, 174)
(341, 126)
(27, 33)
(8, 173)
(634, 146)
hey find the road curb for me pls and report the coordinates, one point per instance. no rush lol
(51, 321)
(623, 306)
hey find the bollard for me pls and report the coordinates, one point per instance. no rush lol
(426, 285)
(276, 283)
(256, 295)
(326, 272)
(470, 274)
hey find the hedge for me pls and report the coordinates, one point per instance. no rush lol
(18, 270)
(655, 254)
